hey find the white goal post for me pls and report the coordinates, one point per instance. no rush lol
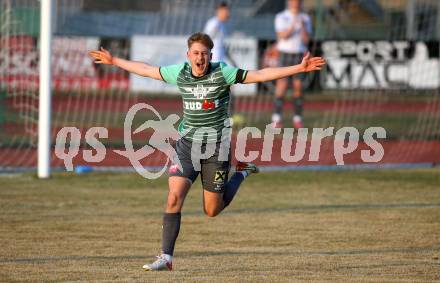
(44, 142)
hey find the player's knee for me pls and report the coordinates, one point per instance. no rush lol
(297, 88)
(281, 88)
(212, 211)
(173, 202)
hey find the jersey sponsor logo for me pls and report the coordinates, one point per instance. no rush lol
(200, 91)
(206, 105)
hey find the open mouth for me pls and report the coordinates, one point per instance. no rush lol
(200, 65)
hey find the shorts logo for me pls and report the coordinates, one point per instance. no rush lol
(173, 168)
(218, 187)
(220, 177)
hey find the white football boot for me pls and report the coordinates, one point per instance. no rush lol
(161, 263)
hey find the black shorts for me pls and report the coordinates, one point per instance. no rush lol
(214, 171)
(290, 59)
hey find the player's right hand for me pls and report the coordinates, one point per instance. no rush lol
(102, 56)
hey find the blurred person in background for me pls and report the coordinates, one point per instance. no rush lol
(293, 28)
(215, 27)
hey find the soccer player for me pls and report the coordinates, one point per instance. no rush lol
(204, 86)
(293, 28)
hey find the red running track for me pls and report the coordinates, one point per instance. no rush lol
(122, 105)
(395, 152)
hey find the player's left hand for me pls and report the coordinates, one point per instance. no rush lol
(311, 64)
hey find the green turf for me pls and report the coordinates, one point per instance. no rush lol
(367, 226)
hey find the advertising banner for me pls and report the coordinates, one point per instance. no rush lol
(72, 68)
(381, 65)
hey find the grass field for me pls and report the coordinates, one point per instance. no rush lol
(369, 226)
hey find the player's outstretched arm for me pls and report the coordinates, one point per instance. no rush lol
(308, 64)
(142, 69)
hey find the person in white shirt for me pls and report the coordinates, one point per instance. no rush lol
(293, 28)
(216, 29)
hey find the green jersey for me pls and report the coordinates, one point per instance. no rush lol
(205, 99)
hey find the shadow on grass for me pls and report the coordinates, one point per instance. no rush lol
(232, 211)
(335, 207)
(406, 250)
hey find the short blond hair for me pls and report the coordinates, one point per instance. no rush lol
(202, 38)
